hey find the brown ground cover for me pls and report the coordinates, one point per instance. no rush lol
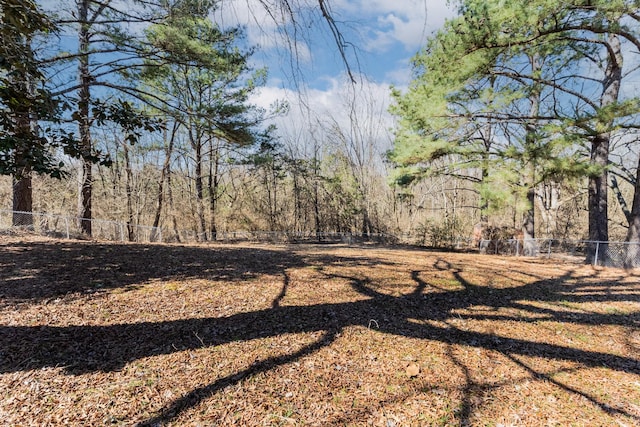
(122, 334)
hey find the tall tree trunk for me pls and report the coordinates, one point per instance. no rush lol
(24, 120)
(483, 204)
(26, 126)
(202, 225)
(84, 122)
(548, 202)
(632, 255)
(487, 141)
(598, 192)
(22, 185)
(168, 151)
(530, 247)
(367, 227)
(297, 200)
(316, 195)
(129, 190)
(316, 208)
(22, 200)
(598, 184)
(174, 220)
(270, 197)
(274, 212)
(214, 183)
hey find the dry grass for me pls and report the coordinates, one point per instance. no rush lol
(99, 333)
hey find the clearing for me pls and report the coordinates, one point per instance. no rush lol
(95, 333)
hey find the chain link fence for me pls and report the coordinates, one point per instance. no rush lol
(277, 237)
(69, 227)
(608, 254)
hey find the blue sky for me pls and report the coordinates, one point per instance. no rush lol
(382, 36)
(385, 34)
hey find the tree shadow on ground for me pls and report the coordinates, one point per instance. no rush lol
(419, 314)
(42, 271)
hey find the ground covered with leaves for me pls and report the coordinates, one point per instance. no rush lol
(98, 333)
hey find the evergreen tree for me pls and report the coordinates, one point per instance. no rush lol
(497, 58)
(201, 80)
(29, 140)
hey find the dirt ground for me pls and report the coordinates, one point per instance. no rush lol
(95, 333)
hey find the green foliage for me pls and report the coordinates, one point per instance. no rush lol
(202, 75)
(478, 101)
(21, 20)
(133, 122)
(25, 104)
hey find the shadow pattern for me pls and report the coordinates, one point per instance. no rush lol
(84, 348)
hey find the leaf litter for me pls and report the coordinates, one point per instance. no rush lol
(95, 333)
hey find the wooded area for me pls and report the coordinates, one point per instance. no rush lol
(519, 114)
(520, 120)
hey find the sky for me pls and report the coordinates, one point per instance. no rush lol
(381, 37)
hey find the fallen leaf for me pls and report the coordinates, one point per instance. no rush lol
(413, 369)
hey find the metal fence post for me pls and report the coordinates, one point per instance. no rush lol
(595, 259)
(66, 224)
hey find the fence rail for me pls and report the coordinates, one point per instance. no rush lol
(69, 227)
(610, 254)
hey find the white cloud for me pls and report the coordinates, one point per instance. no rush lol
(400, 76)
(380, 23)
(249, 14)
(405, 21)
(341, 104)
(376, 26)
(265, 29)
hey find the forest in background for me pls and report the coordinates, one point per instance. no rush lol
(520, 115)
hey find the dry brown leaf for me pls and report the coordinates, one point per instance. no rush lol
(257, 335)
(412, 370)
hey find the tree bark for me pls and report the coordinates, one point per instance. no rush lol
(163, 176)
(530, 247)
(548, 202)
(528, 225)
(129, 190)
(598, 191)
(214, 184)
(483, 204)
(598, 184)
(22, 185)
(174, 220)
(632, 255)
(84, 121)
(22, 201)
(202, 225)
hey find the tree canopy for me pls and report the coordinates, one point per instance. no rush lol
(521, 93)
(28, 110)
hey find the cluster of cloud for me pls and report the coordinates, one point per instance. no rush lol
(407, 22)
(373, 27)
(306, 70)
(379, 29)
(342, 110)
